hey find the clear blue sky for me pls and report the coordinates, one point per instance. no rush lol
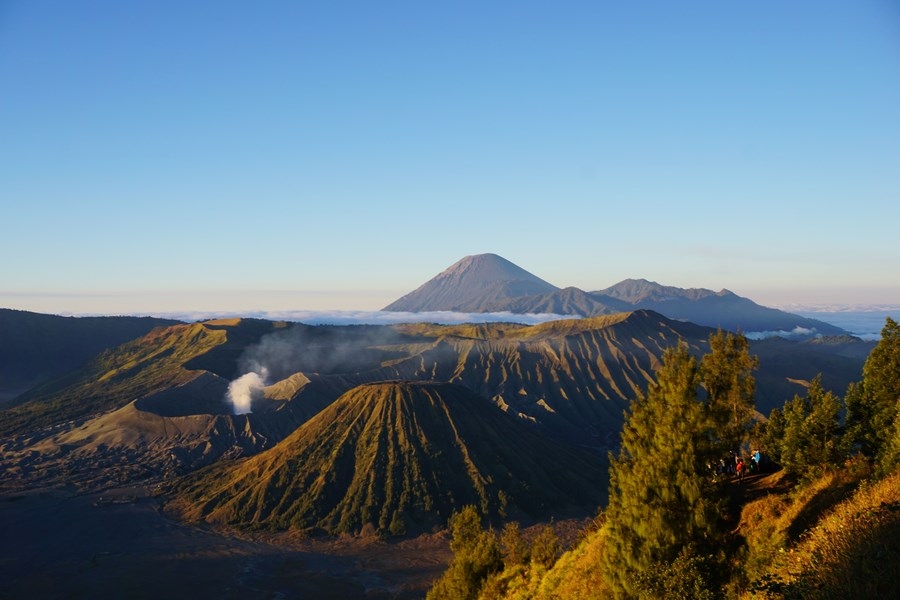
(312, 155)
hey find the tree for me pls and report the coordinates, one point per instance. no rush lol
(664, 503)
(516, 550)
(872, 404)
(476, 555)
(812, 431)
(727, 376)
(545, 547)
(662, 499)
(891, 458)
(859, 434)
(772, 437)
(688, 577)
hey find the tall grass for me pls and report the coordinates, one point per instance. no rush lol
(852, 551)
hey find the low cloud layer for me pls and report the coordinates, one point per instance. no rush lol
(374, 317)
(796, 332)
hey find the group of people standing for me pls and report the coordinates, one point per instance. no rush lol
(736, 465)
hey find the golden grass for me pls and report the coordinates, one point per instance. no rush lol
(141, 367)
(574, 326)
(851, 551)
(234, 322)
(574, 576)
(493, 331)
(820, 540)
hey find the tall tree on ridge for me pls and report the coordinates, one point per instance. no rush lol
(727, 376)
(873, 403)
(812, 433)
(658, 502)
(663, 500)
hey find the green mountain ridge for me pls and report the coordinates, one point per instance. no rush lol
(147, 365)
(35, 348)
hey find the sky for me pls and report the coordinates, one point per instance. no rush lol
(188, 156)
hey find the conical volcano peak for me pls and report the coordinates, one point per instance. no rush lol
(397, 457)
(402, 393)
(490, 267)
(472, 283)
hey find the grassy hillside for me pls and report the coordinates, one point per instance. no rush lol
(37, 347)
(155, 362)
(835, 537)
(397, 457)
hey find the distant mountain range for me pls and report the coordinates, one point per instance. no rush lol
(490, 283)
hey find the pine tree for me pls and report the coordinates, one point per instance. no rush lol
(515, 549)
(727, 376)
(664, 502)
(891, 458)
(859, 435)
(545, 547)
(812, 431)
(662, 498)
(773, 434)
(476, 555)
(872, 404)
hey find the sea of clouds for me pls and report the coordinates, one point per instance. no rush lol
(863, 321)
(371, 317)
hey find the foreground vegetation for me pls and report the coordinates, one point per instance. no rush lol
(826, 525)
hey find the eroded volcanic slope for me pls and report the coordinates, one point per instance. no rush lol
(397, 457)
(574, 378)
(159, 401)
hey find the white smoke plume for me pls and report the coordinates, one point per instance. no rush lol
(245, 389)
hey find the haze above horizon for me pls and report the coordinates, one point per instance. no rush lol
(161, 157)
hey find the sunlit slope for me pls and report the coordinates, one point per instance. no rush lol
(823, 539)
(160, 360)
(397, 457)
(36, 347)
